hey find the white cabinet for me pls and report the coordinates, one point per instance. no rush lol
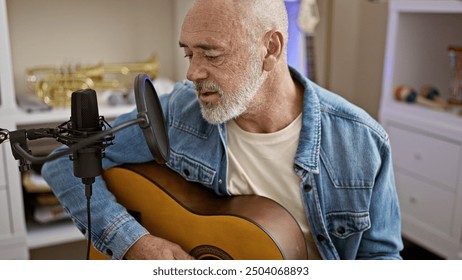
(426, 143)
(41, 33)
(12, 226)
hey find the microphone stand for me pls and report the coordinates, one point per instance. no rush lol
(21, 152)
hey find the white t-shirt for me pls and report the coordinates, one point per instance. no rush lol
(262, 164)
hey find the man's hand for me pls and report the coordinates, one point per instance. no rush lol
(150, 247)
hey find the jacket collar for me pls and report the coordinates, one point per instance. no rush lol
(307, 155)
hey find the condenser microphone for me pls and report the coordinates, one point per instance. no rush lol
(85, 122)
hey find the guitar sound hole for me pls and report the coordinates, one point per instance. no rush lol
(210, 258)
(209, 252)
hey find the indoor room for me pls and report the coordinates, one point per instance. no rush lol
(398, 60)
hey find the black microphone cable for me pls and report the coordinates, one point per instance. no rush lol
(88, 182)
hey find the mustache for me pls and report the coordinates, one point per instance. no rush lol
(204, 86)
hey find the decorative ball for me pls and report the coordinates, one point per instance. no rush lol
(429, 92)
(405, 93)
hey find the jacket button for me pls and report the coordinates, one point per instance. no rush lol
(109, 252)
(341, 230)
(307, 188)
(186, 172)
(320, 237)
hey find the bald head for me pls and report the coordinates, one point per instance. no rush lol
(265, 15)
(255, 17)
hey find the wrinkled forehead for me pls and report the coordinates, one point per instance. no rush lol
(215, 16)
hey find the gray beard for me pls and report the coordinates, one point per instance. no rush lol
(231, 106)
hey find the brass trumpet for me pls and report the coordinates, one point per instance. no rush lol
(54, 85)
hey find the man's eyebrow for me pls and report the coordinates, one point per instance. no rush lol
(200, 46)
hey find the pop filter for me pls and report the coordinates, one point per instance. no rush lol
(148, 106)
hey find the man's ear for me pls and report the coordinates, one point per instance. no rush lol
(274, 43)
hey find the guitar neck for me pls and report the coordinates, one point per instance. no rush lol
(307, 20)
(309, 40)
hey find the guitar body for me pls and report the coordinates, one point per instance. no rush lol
(204, 224)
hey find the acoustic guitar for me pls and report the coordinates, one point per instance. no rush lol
(204, 224)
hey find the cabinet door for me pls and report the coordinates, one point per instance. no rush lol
(434, 159)
(426, 203)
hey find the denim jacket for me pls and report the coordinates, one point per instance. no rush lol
(343, 159)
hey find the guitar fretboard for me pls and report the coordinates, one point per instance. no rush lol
(309, 40)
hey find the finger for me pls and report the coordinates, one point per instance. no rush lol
(184, 256)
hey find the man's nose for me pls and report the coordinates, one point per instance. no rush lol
(196, 71)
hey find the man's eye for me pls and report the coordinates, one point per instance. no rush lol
(188, 56)
(212, 57)
(209, 57)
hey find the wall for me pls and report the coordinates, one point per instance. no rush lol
(181, 63)
(372, 31)
(354, 49)
(87, 32)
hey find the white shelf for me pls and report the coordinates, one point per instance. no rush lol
(445, 124)
(438, 6)
(39, 236)
(419, 33)
(63, 114)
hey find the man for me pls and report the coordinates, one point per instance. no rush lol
(251, 124)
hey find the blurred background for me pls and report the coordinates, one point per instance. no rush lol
(360, 49)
